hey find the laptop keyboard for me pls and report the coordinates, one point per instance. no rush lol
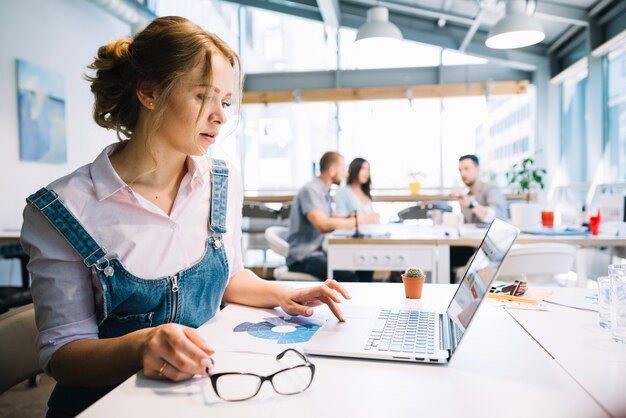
(403, 331)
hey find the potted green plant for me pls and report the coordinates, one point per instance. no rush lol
(414, 181)
(524, 177)
(413, 279)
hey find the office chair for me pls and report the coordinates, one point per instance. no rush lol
(539, 262)
(14, 296)
(19, 358)
(256, 218)
(277, 238)
(423, 210)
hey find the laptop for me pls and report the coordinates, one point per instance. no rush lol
(414, 335)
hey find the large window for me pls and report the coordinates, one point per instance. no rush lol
(508, 134)
(616, 113)
(574, 128)
(400, 137)
(280, 144)
(277, 42)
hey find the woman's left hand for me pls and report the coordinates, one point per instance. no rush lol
(301, 301)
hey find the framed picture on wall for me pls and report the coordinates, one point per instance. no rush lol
(41, 108)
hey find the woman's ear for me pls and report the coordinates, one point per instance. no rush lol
(147, 93)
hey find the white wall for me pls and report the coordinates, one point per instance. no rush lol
(62, 35)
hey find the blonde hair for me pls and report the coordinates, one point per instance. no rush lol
(167, 49)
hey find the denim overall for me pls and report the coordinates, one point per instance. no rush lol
(130, 303)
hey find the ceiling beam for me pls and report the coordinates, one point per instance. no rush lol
(388, 77)
(330, 12)
(472, 30)
(441, 22)
(560, 13)
(610, 14)
(387, 93)
(599, 7)
(294, 8)
(434, 15)
(564, 37)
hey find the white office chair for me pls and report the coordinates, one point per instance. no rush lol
(539, 262)
(277, 238)
(19, 358)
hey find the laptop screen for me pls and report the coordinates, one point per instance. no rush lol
(480, 274)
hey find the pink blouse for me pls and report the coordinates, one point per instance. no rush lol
(146, 240)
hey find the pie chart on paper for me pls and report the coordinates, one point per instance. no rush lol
(283, 329)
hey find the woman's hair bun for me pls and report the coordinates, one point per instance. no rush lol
(112, 54)
(111, 88)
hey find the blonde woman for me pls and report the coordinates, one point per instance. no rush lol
(131, 252)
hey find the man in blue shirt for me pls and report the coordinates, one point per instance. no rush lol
(312, 216)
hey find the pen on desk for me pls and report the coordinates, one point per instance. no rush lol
(504, 296)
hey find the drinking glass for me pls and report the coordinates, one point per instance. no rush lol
(617, 273)
(547, 218)
(604, 301)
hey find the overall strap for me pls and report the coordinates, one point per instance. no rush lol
(219, 196)
(52, 207)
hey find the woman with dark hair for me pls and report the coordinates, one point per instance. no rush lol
(355, 195)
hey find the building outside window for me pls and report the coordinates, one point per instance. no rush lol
(574, 128)
(616, 113)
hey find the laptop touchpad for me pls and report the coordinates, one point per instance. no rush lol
(351, 325)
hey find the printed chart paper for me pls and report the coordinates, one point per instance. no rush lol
(263, 331)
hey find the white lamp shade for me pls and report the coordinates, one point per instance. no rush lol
(378, 25)
(515, 31)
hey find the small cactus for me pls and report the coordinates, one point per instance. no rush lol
(414, 272)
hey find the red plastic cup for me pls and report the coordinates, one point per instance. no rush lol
(594, 224)
(547, 219)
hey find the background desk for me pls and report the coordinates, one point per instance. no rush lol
(582, 348)
(498, 370)
(429, 248)
(378, 195)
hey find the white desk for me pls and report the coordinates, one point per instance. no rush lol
(429, 248)
(498, 370)
(584, 349)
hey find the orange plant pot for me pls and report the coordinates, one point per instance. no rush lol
(413, 286)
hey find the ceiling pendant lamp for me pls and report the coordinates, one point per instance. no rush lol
(378, 26)
(516, 29)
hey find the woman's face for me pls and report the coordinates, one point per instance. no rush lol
(364, 173)
(178, 128)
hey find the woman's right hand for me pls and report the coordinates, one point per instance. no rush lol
(175, 352)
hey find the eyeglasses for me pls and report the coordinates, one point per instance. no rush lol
(233, 386)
